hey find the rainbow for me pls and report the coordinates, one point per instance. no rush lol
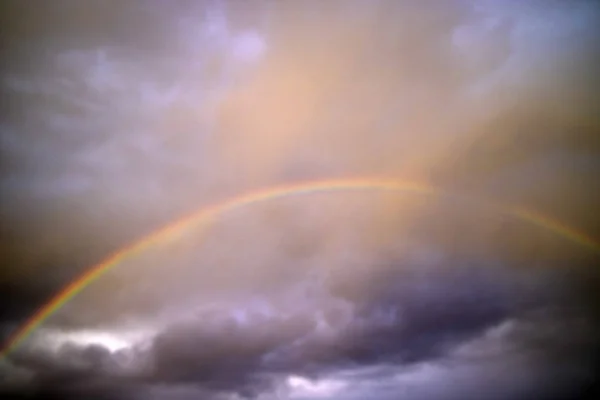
(205, 215)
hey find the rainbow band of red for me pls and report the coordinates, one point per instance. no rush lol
(205, 214)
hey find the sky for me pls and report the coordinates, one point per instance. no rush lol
(119, 117)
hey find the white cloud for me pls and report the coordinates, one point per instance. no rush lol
(302, 388)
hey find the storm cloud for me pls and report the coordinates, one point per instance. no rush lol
(122, 117)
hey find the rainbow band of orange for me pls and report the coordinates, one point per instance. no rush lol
(204, 215)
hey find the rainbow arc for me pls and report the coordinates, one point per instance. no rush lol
(205, 215)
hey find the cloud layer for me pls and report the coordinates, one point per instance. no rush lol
(121, 119)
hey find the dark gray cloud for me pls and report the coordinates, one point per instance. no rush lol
(462, 325)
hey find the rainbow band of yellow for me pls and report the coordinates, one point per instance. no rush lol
(206, 214)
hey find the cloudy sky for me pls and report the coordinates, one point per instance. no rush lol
(118, 117)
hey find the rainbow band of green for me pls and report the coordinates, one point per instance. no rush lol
(205, 214)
